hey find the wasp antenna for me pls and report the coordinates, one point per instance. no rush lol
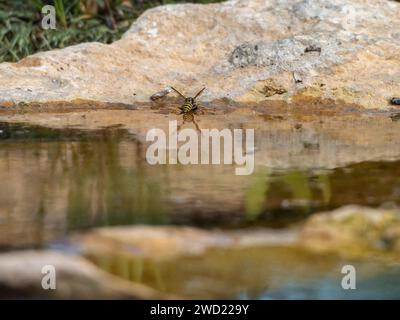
(199, 93)
(178, 92)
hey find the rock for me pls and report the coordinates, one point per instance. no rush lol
(350, 230)
(353, 230)
(215, 263)
(395, 101)
(347, 226)
(196, 263)
(21, 277)
(169, 242)
(228, 47)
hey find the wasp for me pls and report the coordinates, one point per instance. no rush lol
(190, 104)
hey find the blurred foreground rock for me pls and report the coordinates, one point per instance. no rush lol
(171, 241)
(249, 51)
(76, 278)
(353, 230)
(198, 263)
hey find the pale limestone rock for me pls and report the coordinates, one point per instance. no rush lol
(230, 48)
(167, 242)
(352, 231)
(21, 277)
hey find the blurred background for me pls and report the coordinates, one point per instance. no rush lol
(77, 21)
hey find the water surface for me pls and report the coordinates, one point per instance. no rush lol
(59, 181)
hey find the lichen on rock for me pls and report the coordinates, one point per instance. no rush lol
(354, 230)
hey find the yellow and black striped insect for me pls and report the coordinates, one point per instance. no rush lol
(190, 104)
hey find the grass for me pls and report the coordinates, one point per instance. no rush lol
(78, 21)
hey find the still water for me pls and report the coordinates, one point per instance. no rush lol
(56, 182)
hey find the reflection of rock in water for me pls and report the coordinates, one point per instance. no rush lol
(196, 263)
(62, 185)
(247, 263)
(76, 278)
(65, 180)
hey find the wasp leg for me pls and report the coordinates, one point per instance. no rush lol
(204, 110)
(174, 110)
(190, 117)
(181, 125)
(199, 111)
(197, 126)
(209, 111)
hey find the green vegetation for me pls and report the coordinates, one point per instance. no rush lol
(78, 21)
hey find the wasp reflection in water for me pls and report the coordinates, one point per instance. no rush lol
(189, 117)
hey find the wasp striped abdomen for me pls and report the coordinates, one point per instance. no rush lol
(189, 105)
